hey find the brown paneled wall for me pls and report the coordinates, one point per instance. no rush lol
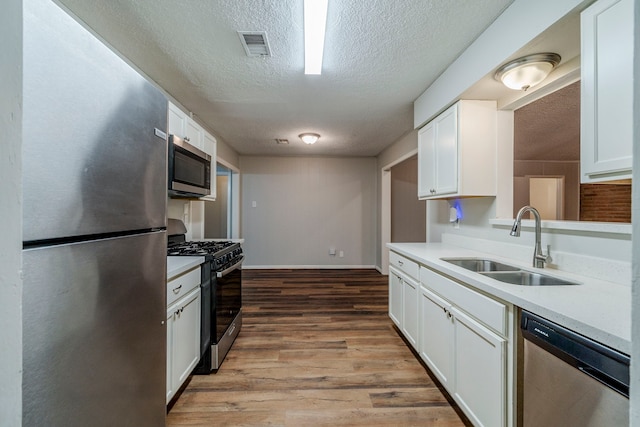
(605, 202)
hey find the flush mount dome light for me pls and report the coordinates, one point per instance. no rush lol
(309, 138)
(528, 71)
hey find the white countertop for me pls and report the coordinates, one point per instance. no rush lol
(595, 308)
(179, 264)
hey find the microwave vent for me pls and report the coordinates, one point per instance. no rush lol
(255, 43)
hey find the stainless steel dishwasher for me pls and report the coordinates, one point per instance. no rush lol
(570, 380)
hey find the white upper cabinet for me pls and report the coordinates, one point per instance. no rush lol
(209, 147)
(177, 121)
(457, 152)
(180, 124)
(607, 91)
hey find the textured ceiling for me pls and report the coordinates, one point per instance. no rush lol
(549, 128)
(380, 55)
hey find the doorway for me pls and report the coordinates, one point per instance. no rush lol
(394, 210)
(221, 218)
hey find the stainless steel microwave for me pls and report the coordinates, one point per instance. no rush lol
(189, 169)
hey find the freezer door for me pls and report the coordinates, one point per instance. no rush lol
(94, 338)
(92, 162)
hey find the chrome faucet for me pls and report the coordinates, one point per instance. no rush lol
(538, 257)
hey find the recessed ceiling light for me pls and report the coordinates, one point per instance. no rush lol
(309, 138)
(315, 22)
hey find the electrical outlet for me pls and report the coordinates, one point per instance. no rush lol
(341, 254)
(332, 251)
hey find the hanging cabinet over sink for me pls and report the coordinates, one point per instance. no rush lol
(457, 152)
(606, 134)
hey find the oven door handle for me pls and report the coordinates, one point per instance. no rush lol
(235, 266)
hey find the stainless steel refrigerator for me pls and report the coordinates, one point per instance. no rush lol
(94, 250)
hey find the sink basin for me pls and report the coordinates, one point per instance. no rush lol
(507, 273)
(480, 265)
(526, 278)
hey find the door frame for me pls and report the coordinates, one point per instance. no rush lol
(385, 209)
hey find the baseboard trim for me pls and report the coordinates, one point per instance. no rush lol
(308, 267)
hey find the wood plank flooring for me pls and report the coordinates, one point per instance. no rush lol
(317, 348)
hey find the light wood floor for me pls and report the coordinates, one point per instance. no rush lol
(317, 348)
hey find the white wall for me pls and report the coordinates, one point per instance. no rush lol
(635, 219)
(304, 206)
(11, 214)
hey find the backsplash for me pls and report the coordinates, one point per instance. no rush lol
(605, 202)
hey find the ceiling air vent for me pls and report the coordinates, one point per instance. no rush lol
(255, 43)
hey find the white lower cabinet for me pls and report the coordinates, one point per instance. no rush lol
(395, 297)
(403, 304)
(183, 337)
(410, 310)
(467, 355)
(436, 330)
(480, 366)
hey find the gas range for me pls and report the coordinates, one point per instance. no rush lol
(221, 292)
(219, 253)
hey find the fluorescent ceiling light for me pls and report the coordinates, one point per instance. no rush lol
(315, 22)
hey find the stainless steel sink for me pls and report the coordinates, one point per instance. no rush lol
(527, 278)
(507, 273)
(480, 265)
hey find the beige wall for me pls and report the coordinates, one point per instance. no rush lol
(306, 205)
(392, 154)
(215, 213)
(408, 214)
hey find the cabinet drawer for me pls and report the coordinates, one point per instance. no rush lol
(183, 284)
(404, 264)
(488, 311)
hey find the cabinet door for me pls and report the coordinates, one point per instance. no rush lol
(446, 152)
(436, 335)
(185, 352)
(606, 120)
(426, 161)
(210, 149)
(480, 366)
(395, 296)
(176, 121)
(170, 389)
(195, 134)
(410, 305)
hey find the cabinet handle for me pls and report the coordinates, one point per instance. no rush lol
(449, 315)
(177, 290)
(400, 263)
(186, 138)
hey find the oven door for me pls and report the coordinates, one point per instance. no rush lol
(228, 296)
